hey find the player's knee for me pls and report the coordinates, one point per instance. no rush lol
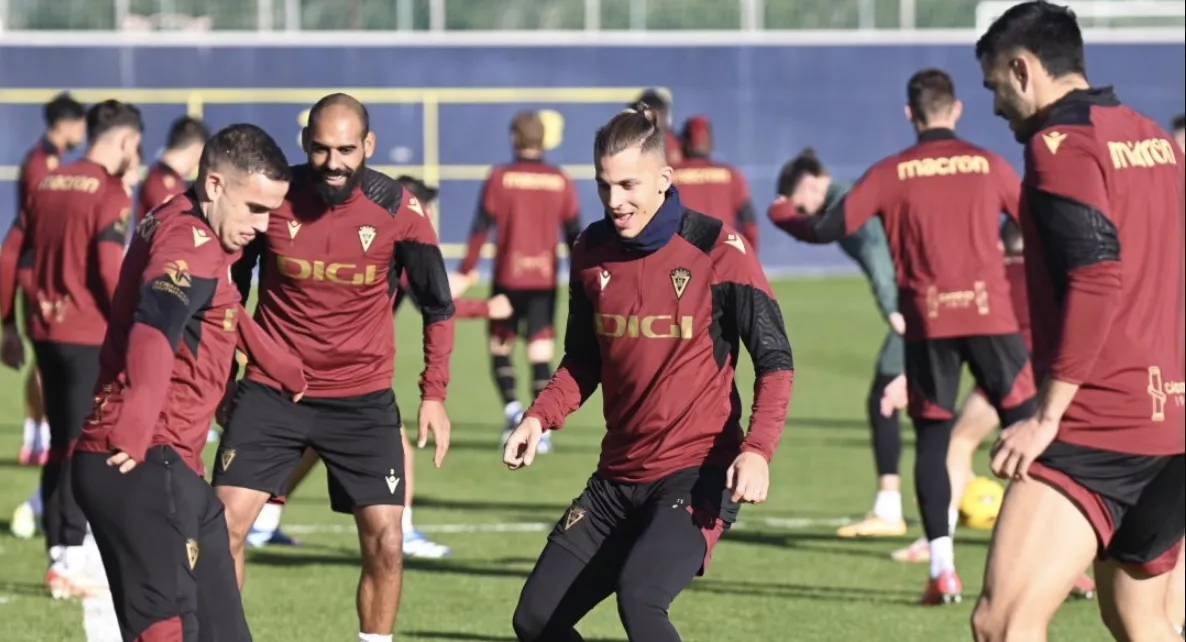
(1135, 622)
(993, 621)
(541, 351)
(384, 550)
(501, 346)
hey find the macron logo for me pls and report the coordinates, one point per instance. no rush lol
(392, 481)
(200, 237)
(604, 278)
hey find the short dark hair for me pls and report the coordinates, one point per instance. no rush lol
(792, 173)
(186, 131)
(1049, 31)
(1179, 122)
(636, 126)
(345, 100)
(247, 149)
(62, 107)
(419, 189)
(112, 114)
(930, 93)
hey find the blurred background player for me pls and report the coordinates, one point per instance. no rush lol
(65, 130)
(529, 201)
(657, 103)
(1179, 127)
(712, 187)
(953, 293)
(70, 238)
(167, 176)
(809, 189)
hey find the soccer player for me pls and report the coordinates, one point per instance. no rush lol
(175, 323)
(1179, 126)
(529, 201)
(166, 177)
(941, 201)
(65, 129)
(660, 300)
(329, 263)
(712, 187)
(1099, 472)
(809, 188)
(65, 250)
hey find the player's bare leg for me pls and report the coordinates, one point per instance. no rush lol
(380, 539)
(242, 508)
(540, 351)
(416, 544)
(266, 529)
(1043, 533)
(1175, 595)
(1132, 603)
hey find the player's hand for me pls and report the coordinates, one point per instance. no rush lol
(895, 396)
(500, 307)
(521, 445)
(12, 348)
(748, 478)
(434, 419)
(897, 322)
(458, 284)
(1019, 445)
(123, 460)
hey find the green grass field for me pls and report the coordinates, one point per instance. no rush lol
(780, 575)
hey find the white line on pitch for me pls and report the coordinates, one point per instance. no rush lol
(777, 523)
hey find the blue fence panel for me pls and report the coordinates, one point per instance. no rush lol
(766, 102)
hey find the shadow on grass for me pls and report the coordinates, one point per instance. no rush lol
(478, 637)
(805, 592)
(551, 508)
(502, 567)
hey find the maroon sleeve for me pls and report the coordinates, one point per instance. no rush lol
(579, 373)
(419, 256)
(36, 168)
(472, 308)
(158, 188)
(863, 202)
(275, 360)
(10, 259)
(741, 291)
(1009, 184)
(483, 222)
(113, 214)
(572, 213)
(178, 282)
(1068, 201)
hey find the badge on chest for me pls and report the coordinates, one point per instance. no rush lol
(642, 308)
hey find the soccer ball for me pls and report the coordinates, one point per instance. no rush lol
(981, 503)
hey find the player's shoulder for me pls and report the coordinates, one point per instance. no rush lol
(1069, 124)
(387, 193)
(179, 225)
(716, 239)
(42, 155)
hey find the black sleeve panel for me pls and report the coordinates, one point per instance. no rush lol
(427, 279)
(241, 270)
(168, 306)
(580, 337)
(748, 313)
(1074, 235)
(383, 190)
(483, 220)
(572, 229)
(746, 213)
(830, 226)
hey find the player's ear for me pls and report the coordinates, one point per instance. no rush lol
(957, 109)
(1020, 71)
(909, 114)
(665, 175)
(368, 144)
(214, 184)
(305, 139)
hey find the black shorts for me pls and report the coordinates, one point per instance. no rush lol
(1136, 503)
(614, 513)
(533, 314)
(357, 437)
(162, 534)
(999, 363)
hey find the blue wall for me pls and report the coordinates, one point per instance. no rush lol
(766, 102)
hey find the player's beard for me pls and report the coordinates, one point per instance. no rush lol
(334, 195)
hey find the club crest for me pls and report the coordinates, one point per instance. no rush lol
(679, 280)
(575, 515)
(366, 234)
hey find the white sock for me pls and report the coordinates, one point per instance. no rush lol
(74, 557)
(513, 409)
(269, 519)
(373, 637)
(953, 520)
(888, 505)
(56, 554)
(43, 431)
(942, 556)
(31, 435)
(408, 520)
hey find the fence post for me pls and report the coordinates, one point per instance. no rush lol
(122, 10)
(638, 15)
(867, 14)
(292, 15)
(592, 15)
(263, 15)
(907, 14)
(436, 15)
